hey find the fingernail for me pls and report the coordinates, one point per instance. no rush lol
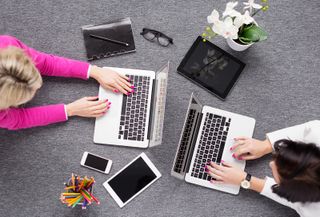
(222, 161)
(132, 91)
(233, 155)
(116, 91)
(109, 103)
(128, 93)
(106, 100)
(108, 107)
(206, 170)
(230, 148)
(240, 158)
(132, 86)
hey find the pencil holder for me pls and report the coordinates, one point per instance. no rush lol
(79, 191)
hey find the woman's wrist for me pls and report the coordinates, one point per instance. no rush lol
(257, 184)
(268, 146)
(69, 110)
(94, 72)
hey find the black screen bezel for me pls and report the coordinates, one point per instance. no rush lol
(211, 89)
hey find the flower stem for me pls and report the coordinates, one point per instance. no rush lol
(256, 11)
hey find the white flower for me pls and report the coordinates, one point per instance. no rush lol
(243, 19)
(230, 11)
(250, 4)
(213, 17)
(226, 28)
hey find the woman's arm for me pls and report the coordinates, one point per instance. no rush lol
(299, 132)
(51, 65)
(267, 192)
(249, 149)
(19, 118)
(230, 174)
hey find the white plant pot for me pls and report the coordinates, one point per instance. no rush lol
(236, 46)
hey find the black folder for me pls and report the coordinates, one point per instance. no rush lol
(119, 30)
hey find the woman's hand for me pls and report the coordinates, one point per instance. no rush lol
(249, 149)
(112, 80)
(225, 173)
(88, 107)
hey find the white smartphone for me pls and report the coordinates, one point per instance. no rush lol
(95, 162)
(131, 180)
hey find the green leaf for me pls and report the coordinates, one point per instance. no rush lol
(253, 33)
(245, 40)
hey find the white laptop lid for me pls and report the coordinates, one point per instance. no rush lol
(159, 103)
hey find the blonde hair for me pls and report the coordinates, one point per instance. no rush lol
(18, 77)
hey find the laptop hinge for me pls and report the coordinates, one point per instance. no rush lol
(194, 140)
(150, 125)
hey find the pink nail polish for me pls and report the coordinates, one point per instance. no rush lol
(108, 107)
(109, 103)
(230, 148)
(106, 100)
(132, 86)
(240, 158)
(222, 161)
(233, 155)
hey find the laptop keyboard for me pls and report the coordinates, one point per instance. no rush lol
(134, 110)
(212, 141)
(184, 141)
(160, 113)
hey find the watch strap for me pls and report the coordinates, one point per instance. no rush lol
(248, 177)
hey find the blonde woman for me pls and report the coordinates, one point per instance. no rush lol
(21, 68)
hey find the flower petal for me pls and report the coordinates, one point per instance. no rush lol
(213, 17)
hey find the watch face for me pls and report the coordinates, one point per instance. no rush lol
(245, 184)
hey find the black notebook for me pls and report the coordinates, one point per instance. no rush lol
(117, 31)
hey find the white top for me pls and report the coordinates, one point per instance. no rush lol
(309, 133)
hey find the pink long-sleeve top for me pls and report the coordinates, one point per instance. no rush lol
(49, 65)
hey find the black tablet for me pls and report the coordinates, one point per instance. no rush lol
(211, 67)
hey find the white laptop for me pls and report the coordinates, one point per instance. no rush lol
(135, 120)
(207, 135)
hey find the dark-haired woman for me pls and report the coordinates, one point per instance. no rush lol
(295, 167)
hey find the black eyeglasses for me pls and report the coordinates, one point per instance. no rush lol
(151, 34)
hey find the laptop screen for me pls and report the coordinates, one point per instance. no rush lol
(185, 148)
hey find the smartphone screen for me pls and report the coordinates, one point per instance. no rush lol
(96, 162)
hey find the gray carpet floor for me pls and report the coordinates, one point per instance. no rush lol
(279, 87)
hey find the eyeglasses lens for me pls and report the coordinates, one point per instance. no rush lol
(163, 41)
(149, 36)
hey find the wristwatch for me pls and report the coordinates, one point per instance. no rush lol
(246, 182)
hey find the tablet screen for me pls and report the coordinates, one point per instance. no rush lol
(132, 179)
(211, 67)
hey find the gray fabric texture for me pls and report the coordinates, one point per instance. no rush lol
(279, 87)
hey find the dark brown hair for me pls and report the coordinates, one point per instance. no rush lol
(298, 165)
